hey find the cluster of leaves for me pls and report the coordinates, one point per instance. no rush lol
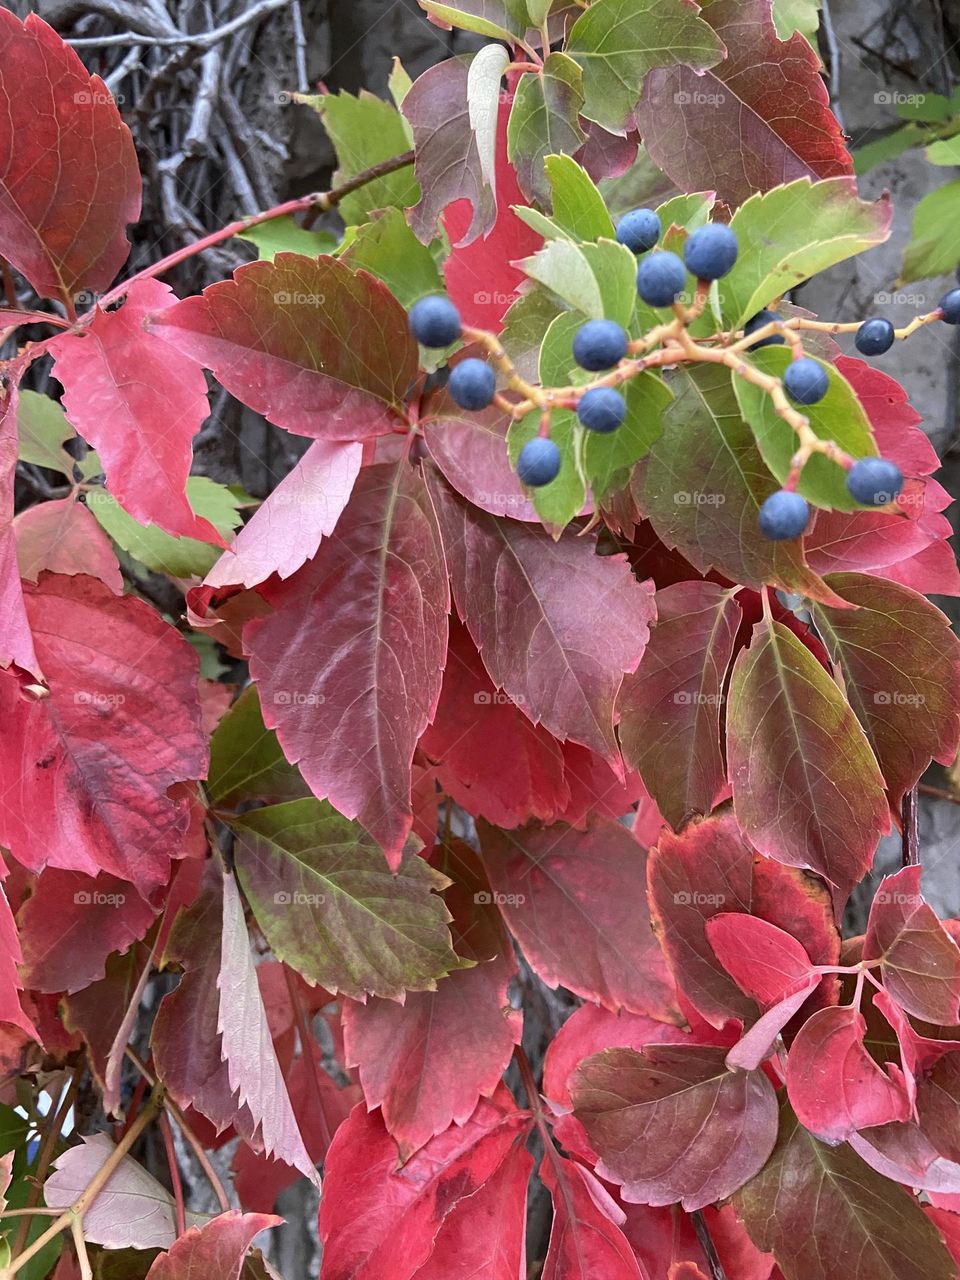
(668, 780)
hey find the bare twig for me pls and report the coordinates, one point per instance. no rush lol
(202, 40)
(707, 1245)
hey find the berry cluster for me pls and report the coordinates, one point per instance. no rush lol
(605, 348)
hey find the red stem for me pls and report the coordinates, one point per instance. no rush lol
(175, 1182)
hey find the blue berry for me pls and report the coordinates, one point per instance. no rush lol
(661, 279)
(758, 321)
(602, 409)
(710, 251)
(783, 515)
(874, 337)
(435, 321)
(599, 344)
(950, 306)
(539, 462)
(639, 230)
(874, 481)
(472, 384)
(806, 381)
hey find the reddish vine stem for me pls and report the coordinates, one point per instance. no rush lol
(910, 829)
(51, 1132)
(175, 1181)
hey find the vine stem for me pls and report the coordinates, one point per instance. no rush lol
(910, 829)
(175, 1180)
(706, 1244)
(73, 1217)
(52, 1130)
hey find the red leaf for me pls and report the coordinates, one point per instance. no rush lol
(835, 1087)
(380, 1219)
(711, 868)
(481, 277)
(597, 791)
(448, 162)
(920, 962)
(70, 924)
(214, 1251)
(577, 904)
(63, 537)
(357, 645)
(938, 1107)
(483, 1234)
(285, 532)
(471, 451)
(670, 708)
(313, 346)
(585, 1239)
(104, 1014)
(16, 644)
(10, 982)
(673, 1123)
(686, 1271)
(769, 119)
(556, 624)
(426, 1062)
(119, 726)
(139, 404)
(475, 729)
(69, 182)
(763, 960)
(806, 786)
(758, 1043)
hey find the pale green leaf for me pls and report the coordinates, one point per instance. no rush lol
(283, 235)
(484, 17)
(44, 430)
(934, 247)
(598, 280)
(483, 105)
(388, 249)
(797, 15)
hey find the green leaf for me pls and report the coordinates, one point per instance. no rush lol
(160, 551)
(797, 15)
(283, 235)
(835, 1218)
(524, 327)
(544, 120)
(839, 416)
(365, 131)
(790, 233)
(13, 1129)
(947, 151)
(330, 907)
(888, 148)
(538, 11)
(607, 457)
(618, 41)
(398, 83)
(246, 762)
(388, 249)
(929, 108)
(597, 279)
(44, 430)
(704, 483)
(934, 247)
(485, 17)
(579, 210)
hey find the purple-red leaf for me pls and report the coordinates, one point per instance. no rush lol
(471, 451)
(806, 786)
(673, 1123)
(901, 672)
(557, 625)
(920, 961)
(577, 904)
(670, 707)
(764, 961)
(835, 1086)
(139, 404)
(709, 869)
(119, 726)
(11, 983)
(585, 1239)
(758, 118)
(287, 529)
(315, 347)
(69, 181)
(357, 645)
